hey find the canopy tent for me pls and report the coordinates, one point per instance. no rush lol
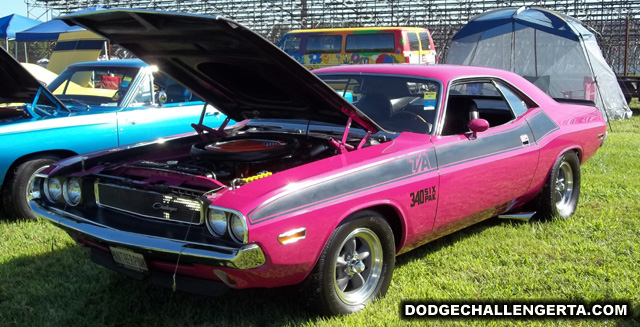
(554, 51)
(11, 24)
(52, 29)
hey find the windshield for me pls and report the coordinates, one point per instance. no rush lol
(396, 103)
(93, 86)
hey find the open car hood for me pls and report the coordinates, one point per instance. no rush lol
(239, 72)
(17, 85)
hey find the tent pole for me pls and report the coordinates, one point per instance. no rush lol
(26, 57)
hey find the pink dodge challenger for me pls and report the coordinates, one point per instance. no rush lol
(328, 176)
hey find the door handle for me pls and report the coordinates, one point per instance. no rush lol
(525, 139)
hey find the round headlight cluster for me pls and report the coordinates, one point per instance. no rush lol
(220, 222)
(217, 222)
(53, 189)
(72, 191)
(238, 229)
(58, 190)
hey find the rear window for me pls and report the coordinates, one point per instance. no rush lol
(381, 42)
(324, 43)
(426, 41)
(414, 45)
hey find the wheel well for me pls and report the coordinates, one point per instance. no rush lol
(394, 219)
(37, 155)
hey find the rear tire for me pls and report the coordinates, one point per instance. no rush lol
(559, 197)
(20, 188)
(355, 266)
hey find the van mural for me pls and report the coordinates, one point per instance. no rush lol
(316, 48)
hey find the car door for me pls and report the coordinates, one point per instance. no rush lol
(482, 175)
(157, 107)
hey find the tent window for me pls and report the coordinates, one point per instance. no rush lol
(414, 44)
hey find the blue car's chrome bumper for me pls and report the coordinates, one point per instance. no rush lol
(245, 257)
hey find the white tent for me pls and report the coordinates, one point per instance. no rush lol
(555, 51)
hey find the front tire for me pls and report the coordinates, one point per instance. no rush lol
(560, 194)
(355, 266)
(21, 187)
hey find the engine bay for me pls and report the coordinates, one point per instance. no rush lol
(226, 162)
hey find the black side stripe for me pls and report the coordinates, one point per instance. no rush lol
(542, 125)
(486, 145)
(403, 168)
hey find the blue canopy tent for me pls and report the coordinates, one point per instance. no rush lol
(11, 24)
(51, 30)
(554, 51)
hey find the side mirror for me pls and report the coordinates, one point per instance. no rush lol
(476, 126)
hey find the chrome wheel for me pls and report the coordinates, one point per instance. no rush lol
(564, 189)
(33, 189)
(358, 265)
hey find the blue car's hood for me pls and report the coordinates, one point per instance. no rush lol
(239, 72)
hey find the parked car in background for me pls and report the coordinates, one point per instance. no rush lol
(94, 106)
(316, 48)
(314, 190)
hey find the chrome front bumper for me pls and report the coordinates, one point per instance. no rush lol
(246, 257)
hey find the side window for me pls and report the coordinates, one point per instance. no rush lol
(324, 43)
(144, 93)
(414, 44)
(517, 104)
(380, 42)
(425, 40)
(474, 99)
(291, 44)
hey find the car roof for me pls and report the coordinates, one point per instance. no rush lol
(358, 29)
(112, 63)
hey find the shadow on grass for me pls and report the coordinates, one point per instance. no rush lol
(449, 240)
(64, 288)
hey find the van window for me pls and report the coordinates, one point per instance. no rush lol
(324, 43)
(291, 44)
(381, 42)
(414, 45)
(426, 41)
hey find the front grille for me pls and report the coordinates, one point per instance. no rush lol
(149, 204)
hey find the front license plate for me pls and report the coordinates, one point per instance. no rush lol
(129, 259)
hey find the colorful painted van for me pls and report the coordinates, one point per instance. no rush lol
(316, 48)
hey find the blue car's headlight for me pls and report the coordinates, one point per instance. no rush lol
(53, 189)
(72, 191)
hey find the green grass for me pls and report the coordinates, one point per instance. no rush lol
(46, 280)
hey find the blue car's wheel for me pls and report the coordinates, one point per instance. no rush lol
(21, 187)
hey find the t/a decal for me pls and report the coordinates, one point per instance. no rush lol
(420, 163)
(423, 196)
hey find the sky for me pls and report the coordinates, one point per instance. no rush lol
(8, 7)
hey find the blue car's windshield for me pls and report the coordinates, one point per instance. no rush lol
(84, 87)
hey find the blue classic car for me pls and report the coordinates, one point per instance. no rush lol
(91, 106)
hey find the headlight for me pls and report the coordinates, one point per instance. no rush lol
(238, 228)
(53, 189)
(217, 221)
(72, 191)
